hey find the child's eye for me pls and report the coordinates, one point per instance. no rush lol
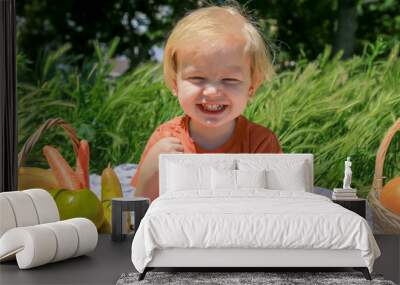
(231, 80)
(196, 78)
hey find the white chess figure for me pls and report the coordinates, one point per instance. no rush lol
(347, 174)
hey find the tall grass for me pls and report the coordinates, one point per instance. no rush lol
(335, 109)
(328, 107)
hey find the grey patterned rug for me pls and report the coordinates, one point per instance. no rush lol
(230, 278)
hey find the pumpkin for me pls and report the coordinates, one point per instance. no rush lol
(390, 195)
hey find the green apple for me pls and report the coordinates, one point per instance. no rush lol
(78, 203)
(54, 192)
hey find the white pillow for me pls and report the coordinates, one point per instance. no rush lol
(251, 178)
(182, 177)
(290, 175)
(236, 179)
(188, 174)
(223, 179)
(294, 180)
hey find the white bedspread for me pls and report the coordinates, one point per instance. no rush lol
(250, 218)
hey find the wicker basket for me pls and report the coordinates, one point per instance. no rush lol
(388, 221)
(31, 141)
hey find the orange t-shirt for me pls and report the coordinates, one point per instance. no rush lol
(247, 137)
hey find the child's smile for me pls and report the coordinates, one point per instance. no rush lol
(212, 108)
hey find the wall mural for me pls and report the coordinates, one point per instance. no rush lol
(86, 112)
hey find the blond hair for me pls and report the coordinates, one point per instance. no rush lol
(211, 23)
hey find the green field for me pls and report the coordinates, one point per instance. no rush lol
(327, 107)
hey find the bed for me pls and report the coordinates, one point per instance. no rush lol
(247, 210)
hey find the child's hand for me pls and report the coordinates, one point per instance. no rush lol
(147, 184)
(168, 144)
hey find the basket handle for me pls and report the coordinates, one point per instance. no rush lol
(31, 141)
(377, 183)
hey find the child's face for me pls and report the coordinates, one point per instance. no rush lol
(213, 82)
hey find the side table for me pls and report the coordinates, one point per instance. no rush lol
(356, 205)
(138, 205)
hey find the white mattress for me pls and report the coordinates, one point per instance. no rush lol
(250, 219)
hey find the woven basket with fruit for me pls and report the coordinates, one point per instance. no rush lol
(385, 199)
(70, 188)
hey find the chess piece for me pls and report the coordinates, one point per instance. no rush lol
(347, 174)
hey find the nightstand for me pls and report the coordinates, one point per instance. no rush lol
(356, 205)
(121, 207)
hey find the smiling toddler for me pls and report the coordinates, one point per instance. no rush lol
(214, 61)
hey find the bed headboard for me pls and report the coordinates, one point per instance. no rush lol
(283, 162)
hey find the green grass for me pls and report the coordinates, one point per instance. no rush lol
(327, 107)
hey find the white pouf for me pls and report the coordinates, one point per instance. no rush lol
(23, 209)
(46, 207)
(7, 220)
(31, 232)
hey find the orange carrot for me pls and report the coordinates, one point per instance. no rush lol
(82, 164)
(64, 174)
